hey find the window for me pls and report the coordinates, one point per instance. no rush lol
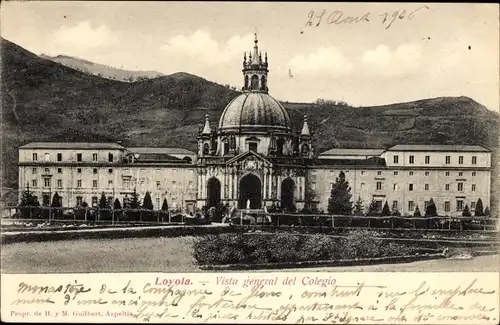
(94, 170)
(426, 173)
(59, 170)
(110, 171)
(412, 159)
(395, 187)
(473, 187)
(252, 146)
(473, 205)
(313, 186)
(379, 186)
(126, 183)
(190, 184)
(94, 201)
(362, 186)
(474, 160)
(94, 157)
(110, 157)
(411, 205)
(79, 183)
(427, 159)
(362, 172)
(426, 187)
(79, 170)
(460, 160)
(158, 184)
(460, 205)
(110, 201)
(396, 159)
(447, 187)
(35, 157)
(410, 187)
(395, 173)
(46, 170)
(394, 205)
(94, 183)
(411, 173)
(447, 173)
(447, 206)
(460, 173)
(59, 157)
(79, 200)
(142, 180)
(46, 182)
(33, 171)
(473, 174)
(158, 203)
(460, 187)
(110, 183)
(379, 172)
(426, 204)
(33, 183)
(78, 157)
(447, 160)
(59, 183)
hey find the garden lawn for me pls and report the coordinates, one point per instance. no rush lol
(156, 254)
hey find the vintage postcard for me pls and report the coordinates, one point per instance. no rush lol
(250, 162)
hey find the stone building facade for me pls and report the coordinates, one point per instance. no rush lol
(252, 158)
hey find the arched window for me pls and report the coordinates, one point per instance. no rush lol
(280, 146)
(263, 83)
(246, 82)
(226, 146)
(187, 159)
(255, 82)
(206, 149)
(305, 149)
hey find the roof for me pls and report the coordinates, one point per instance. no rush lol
(158, 150)
(438, 147)
(252, 110)
(352, 152)
(157, 157)
(374, 161)
(72, 145)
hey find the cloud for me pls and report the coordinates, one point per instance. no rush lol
(201, 46)
(323, 60)
(84, 37)
(384, 62)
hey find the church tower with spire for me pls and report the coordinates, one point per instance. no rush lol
(255, 70)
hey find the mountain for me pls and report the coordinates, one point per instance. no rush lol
(43, 100)
(102, 70)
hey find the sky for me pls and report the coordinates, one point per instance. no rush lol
(362, 53)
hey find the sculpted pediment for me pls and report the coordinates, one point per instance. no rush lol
(250, 161)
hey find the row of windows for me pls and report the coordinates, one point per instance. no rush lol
(427, 159)
(411, 173)
(79, 156)
(126, 183)
(94, 170)
(411, 187)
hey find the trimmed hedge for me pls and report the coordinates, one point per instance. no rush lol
(285, 248)
(114, 233)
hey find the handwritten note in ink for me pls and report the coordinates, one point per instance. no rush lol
(298, 298)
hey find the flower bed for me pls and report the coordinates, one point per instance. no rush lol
(292, 248)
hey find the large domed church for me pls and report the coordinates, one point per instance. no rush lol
(253, 158)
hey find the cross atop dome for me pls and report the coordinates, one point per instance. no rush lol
(255, 70)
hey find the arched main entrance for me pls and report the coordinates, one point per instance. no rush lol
(213, 192)
(250, 189)
(287, 193)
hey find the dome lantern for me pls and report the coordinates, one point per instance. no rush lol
(255, 70)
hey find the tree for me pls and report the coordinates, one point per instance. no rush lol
(29, 204)
(56, 203)
(487, 211)
(340, 197)
(117, 205)
(104, 207)
(386, 211)
(147, 203)
(431, 210)
(417, 213)
(164, 206)
(358, 207)
(134, 204)
(478, 212)
(373, 209)
(466, 212)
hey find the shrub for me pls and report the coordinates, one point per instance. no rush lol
(360, 244)
(219, 249)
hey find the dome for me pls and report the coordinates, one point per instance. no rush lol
(255, 111)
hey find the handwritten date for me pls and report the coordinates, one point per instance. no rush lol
(338, 17)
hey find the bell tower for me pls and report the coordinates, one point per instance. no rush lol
(255, 70)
